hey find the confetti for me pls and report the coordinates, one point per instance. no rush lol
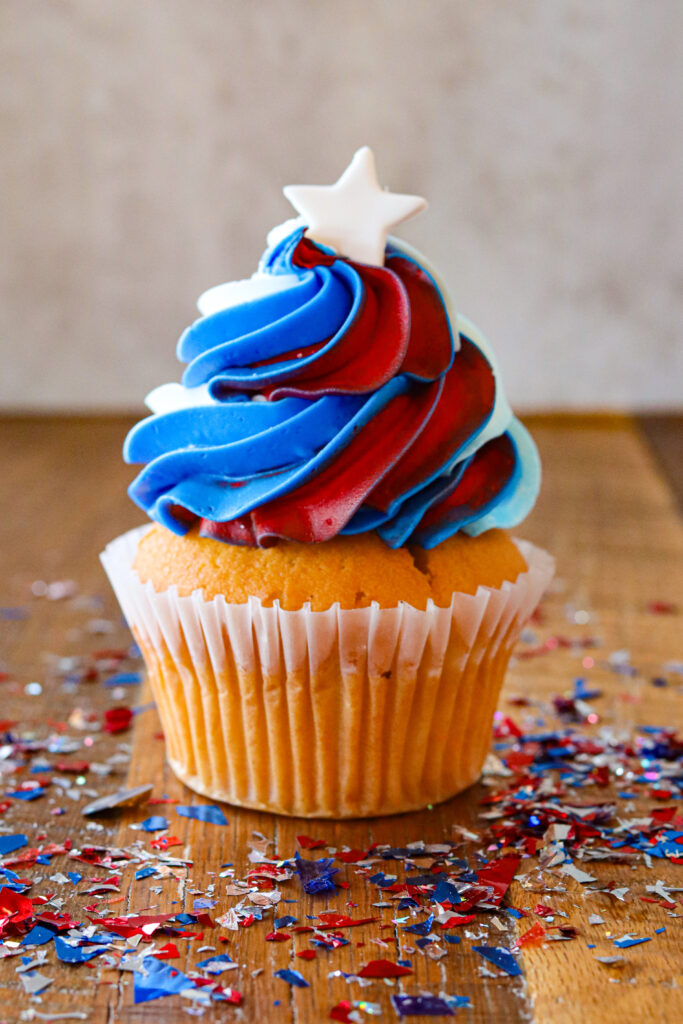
(630, 940)
(159, 979)
(217, 964)
(76, 954)
(316, 875)
(117, 719)
(155, 823)
(419, 1006)
(383, 969)
(501, 957)
(306, 843)
(294, 978)
(124, 679)
(8, 844)
(204, 812)
(119, 799)
(33, 982)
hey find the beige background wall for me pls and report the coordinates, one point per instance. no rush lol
(144, 144)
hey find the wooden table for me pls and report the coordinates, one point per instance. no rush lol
(607, 512)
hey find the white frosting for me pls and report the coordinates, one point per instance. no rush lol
(282, 231)
(170, 397)
(234, 293)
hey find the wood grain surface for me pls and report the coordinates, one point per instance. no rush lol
(606, 512)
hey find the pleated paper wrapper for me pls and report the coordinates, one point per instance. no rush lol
(335, 714)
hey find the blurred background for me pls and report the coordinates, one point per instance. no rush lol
(144, 146)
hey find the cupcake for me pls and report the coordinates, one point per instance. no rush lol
(328, 596)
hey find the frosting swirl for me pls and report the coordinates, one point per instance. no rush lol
(325, 396)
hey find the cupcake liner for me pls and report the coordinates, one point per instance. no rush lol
(340, 713)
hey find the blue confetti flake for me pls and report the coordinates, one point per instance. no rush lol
(208, 813)
(583, 692)
(333, 942)
(203, 904)
(381, 880)
(294, 978)
(316, 875)
(284, 922)
(446, 892)
(155, 823)
(453, 939)
(160, 980)
(13, 614)
(124, 679)
(27, 794)
(8, 844)
(630, 940)
(74, 876)
(76, 954)
(499, 956)
(215, 964)
(416, 1006)
(38, 936)
(145, 872)
(423, 928)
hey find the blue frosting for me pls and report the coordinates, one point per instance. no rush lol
(230, 455)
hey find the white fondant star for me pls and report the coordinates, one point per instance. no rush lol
(353, 216)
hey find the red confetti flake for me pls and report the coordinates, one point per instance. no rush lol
(109, 654)
(16, 912)
(383, 969)
(341, 1012)
(543, 911)
(165, 842)
(204, 920)
(117, 719)
(600, 775)
(247, 921)
(5, 805)
(307, 843)
(76, 767)
(306, 954)
(58, 921)
(531, 936)
(517, 759)
(352, 856)
(331, 919)
(167, 952)
(662, 608)
(230, 995)
(278, 937)
(457, 920)
(139, 924)
(505, 727)
(156, 800)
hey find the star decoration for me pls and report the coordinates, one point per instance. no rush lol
(353, 216)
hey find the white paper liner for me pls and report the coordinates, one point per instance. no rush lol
(340, 713)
